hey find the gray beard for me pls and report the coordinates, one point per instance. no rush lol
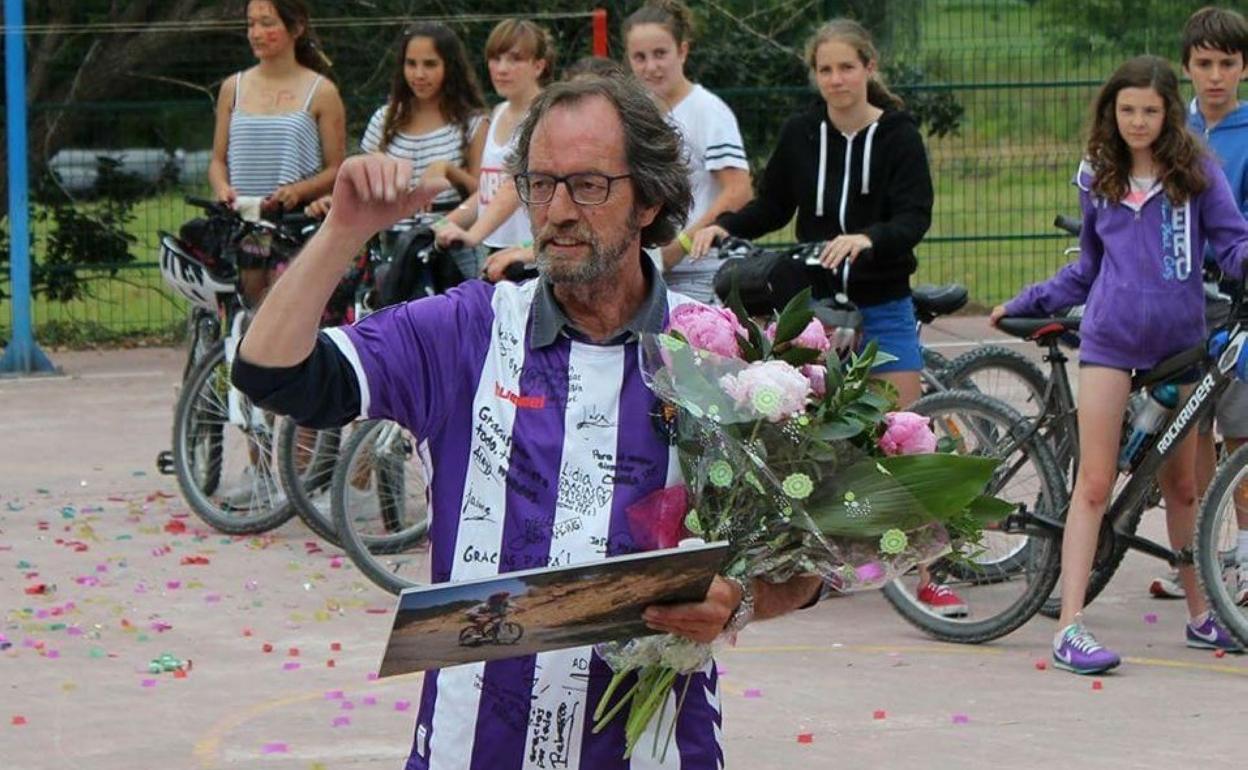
(604, 262)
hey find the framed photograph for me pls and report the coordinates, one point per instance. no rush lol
(521, 613)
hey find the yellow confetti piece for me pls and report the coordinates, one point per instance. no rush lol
(321, 616)
(68, 687)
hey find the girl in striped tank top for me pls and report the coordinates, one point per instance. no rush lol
(281, 127)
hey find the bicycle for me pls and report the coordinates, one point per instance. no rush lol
(217, 433)
(1043, 523)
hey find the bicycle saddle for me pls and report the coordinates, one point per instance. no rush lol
(931, 302)
(1038, 329)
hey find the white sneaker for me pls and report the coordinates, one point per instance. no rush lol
(1167, 587)
(1241, 592)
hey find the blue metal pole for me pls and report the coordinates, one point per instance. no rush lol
(22, 354)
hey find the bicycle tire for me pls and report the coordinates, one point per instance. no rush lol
(1044, 549)
(202, 407)
(392, 491)
(308, 488)
(934, 361)
(1214, 560)
(959, 375)
(1110, 551)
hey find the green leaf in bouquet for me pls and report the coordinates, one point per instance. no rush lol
(839, 429)
(876, 400)
(987, 509)
(944, 485)
(834, 378)
(873, 496)
(799, 356)
(751, 347)
(795, 317)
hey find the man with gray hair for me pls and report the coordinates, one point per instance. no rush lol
(501, 382)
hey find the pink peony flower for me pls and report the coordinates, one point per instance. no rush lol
(771, 388)
(713, 329)
(813, 336)
(907, 433)
(658, 519)
(817, 374)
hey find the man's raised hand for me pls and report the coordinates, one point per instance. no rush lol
(373, 192)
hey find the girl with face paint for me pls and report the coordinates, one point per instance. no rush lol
(280, 130)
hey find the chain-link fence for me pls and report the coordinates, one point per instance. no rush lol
(1002, 85)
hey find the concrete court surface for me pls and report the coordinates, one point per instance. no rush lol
(83, 513)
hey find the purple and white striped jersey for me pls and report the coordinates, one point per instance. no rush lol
(538, 445)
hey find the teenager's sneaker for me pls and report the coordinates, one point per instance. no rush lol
(1167, 587)
(1210, 635)
(1076, 649)
(941, 600)
(1241, 592)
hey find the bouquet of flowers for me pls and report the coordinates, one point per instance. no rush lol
(790, 454)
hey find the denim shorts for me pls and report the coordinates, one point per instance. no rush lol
(895, 330)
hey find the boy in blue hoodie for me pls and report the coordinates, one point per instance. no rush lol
(1215, 48)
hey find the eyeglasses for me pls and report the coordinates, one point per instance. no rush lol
(588, 188)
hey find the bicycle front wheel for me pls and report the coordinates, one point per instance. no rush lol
(305, 464)
(1004, 374)
(379, 499)
(225, 469)
(1005, 579)
(1220, 523)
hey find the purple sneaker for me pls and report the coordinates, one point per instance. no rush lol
(1076, 649)
(1210, 635)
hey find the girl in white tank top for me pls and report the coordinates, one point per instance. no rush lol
(521, 57)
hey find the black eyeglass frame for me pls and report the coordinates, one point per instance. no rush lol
(523, 179)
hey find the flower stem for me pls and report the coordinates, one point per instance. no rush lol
(680, 704)
(601, 722)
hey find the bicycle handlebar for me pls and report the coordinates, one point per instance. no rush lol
(1069, 224)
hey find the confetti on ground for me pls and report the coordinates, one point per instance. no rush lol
(805, 738)
(275, 748)
(293, 652)
(402, 705)
(961, 719)
(149, 682)
(370, 700)
(753, 693)
(267, 647)
(342, 721)
(1150, 618)
(335, 646)
(330, 663)
(1219, 653)
(333, 695)
(18, 721)
(1097, 684)
(290, 665)
(879, 714)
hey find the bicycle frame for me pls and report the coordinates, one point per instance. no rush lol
(1190, 412)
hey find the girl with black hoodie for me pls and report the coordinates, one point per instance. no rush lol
(854, 168)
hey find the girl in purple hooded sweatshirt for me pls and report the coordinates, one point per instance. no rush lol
(1152, 200)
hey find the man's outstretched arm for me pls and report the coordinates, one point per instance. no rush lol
(370, 193)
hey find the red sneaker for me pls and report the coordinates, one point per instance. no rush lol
(941, 600)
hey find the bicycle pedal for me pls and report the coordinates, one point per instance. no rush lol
(164, 463)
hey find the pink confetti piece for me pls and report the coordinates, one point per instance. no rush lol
(342, 721)
(805, 738)
(149, 683)
(961, 719)
(753, 693)
(101, 568)
(74, 631)
(42, 614)
(402, 705)
(370, 700)
(372, 676)
(333, 695)
(721, 671)
(879, 714)
(347, 705)
(290, 665)
(1150, 618)
(173, 585)
(54, 654)
(275, 748)
(212, 598)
